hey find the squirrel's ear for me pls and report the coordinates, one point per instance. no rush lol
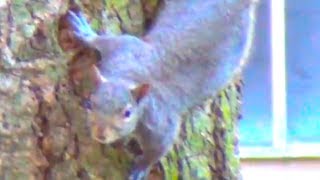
(140, 91)
(97, 76)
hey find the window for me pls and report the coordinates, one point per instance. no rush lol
(281, 103)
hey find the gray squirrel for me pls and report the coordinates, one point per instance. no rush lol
(193, 50)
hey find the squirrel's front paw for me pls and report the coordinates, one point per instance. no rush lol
(80, 26)
(138, 175)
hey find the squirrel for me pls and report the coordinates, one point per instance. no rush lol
(146, 83)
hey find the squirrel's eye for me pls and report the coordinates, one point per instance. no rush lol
(127, 113)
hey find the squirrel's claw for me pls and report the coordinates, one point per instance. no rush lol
(137, 175)
(82, 29)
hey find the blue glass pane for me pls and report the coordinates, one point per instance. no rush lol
(303, 70)
(256, 124)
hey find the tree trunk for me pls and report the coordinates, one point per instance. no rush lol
(43, 129)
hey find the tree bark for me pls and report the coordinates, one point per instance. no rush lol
(43, 128)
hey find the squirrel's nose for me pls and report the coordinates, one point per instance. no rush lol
(100, 136)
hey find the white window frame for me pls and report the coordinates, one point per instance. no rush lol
(280, 147)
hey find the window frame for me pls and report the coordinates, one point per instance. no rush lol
(280, 147)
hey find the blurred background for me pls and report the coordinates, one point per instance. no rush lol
(280, 128)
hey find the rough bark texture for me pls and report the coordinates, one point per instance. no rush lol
(43, 129)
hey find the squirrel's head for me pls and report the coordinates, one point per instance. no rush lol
(114, 110)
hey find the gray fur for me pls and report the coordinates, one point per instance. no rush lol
(192, 51)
